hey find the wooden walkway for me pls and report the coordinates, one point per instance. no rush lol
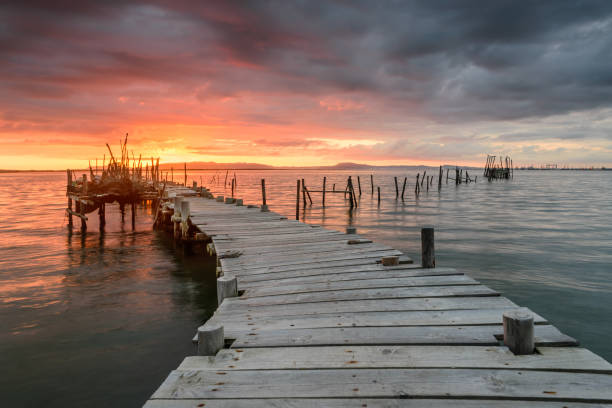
(320, 323)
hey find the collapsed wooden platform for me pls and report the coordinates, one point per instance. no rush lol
(320, 322)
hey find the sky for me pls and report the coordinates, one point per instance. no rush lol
(306, 82)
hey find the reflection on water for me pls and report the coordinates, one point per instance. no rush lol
(98, 317)
(90, 318)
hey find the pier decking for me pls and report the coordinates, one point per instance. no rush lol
(320, 322)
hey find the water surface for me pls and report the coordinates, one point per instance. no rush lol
(99, 319)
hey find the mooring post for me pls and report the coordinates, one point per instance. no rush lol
(518, 332)
(102, 215)
(372, 182)
(211, 339)
(185, 213)
(133, 209)
(378, 196)
(396, 188)
(416, 186)
(404, 187)
(264, 206)
(323, 199)
(227, 286)
(440, 179)
(428, 256)
(297, 201)
(359, 185)
(84, 184)
(304, 193)
(68, 188)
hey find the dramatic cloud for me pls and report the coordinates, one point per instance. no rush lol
(315, 81)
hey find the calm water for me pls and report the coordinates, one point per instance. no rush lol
(99, 319)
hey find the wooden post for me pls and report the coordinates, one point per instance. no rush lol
(404, 187)
(372, 183)
(211, 339)
(68, 188)
(416, 187)
(428, 258)
(423, 179)
(102, 215)
(447, 176)
(297, 201)
(226, 287)
(428, 183)
(359, 184)
(185, 174)
(133, 215)
(396, 188)
(378, 196)
(84, 184)
(323, 200)
(440, 179)
(349, 187)
(518, 332)
(232, 188)
(304, 193)
(263, 191)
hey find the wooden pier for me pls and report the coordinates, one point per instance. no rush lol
(310, 317)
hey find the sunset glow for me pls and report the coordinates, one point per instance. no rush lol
(297, 85)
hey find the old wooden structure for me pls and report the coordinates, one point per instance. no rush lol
(125, 181)
(310, 317)
(503, 169)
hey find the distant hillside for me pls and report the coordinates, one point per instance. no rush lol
(216, 166)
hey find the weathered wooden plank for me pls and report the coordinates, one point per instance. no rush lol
(302, 278)
(380, 293)
(232, 308)
(362, 402)
(346, 383)
(341, 273)
(253, 321)
(571, 359)
(545, 335)
(372, 283)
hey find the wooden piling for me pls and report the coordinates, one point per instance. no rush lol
(323, 199)
(440, 179)
(303, 194)
(226, 287)
(378, 195)
(428, 258)
(518, 332)
(396, 188)
(423, 179)
(102, 215)
(416, 186)
(404, 187)
(372, 182)
(68, 188)
(263, 191)
(185, 169)
(359, 184)
(297, 201)
(211, 339)
(133, 210)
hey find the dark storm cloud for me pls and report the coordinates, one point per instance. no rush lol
(453, 60)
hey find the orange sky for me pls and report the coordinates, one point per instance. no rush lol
(292, 85)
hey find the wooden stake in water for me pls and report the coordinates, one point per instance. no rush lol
(396, 188)
(404, 187)
(263, 191)
(323, 200)
(378, 196)
(297, 201)
(372, 182)
(185, 175)
(68, 188)
(359, 184)
(428, 257)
